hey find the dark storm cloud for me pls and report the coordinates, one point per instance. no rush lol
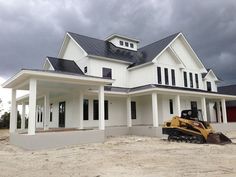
(31, 30)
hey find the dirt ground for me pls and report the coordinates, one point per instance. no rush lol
(120, 156)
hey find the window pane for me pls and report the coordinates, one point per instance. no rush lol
(159, 75)
(106, 73)
(85, 69)
(166, 76)
(191, 79)
(95, 110)
(171, 106)
(173, 76)
(196, 79)
(106, 109)
(51, 112)
(86, 109)
(193, 105)
(208, 86)
(133, 109)
(185, 79)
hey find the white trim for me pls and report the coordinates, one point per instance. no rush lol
(77, 44)
(108, 59)
(185, 40)
(47, 60)
(140, 66)
(176, 55)
(152, 61)
(62, 46)
(29, 73)
(155, 58)
(217, 79)
(112, 36)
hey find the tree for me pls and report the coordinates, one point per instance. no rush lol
(1, 106)
(5, 120)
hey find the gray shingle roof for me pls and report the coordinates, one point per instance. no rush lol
(230, 89)
(103, 48)
(65, 65)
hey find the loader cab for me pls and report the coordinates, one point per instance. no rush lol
(192, 114)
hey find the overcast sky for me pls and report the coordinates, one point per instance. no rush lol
(32, 30)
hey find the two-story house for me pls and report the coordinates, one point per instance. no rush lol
(112, 87)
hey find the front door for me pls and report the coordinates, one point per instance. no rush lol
(193, 105)
(62, 111)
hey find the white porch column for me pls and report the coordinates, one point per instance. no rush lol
(218, 111)
(128, 105)
(46, 112)
(32, 106)
(23, 117)
(13, 115)
(224, 114)
(81, 110)
(177, 105)
(101, 108)
(204, 111)
(154, 110)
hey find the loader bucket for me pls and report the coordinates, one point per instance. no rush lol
(218, 138)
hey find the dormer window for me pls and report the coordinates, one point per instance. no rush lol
(121, 43)
(126, 44)
(131, 45)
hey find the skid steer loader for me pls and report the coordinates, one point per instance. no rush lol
(190, 127)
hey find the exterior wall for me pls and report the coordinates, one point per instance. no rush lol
(73, 51)
(189, 61)
(167, 60)
(119, 70)
(116, 111)
(210, 78)
(142, 76)
(116, 42)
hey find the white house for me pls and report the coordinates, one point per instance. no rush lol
(112, 87)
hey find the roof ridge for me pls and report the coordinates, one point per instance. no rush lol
(85, 36)
(175, 34)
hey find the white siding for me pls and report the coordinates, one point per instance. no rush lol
(73, 51)
(119, 70)
(142, 76)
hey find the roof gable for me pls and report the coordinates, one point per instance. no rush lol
(210, 73)
(64, 65)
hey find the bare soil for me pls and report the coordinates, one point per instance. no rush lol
(120, 156)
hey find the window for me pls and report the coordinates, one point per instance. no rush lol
(173, 76)
(38, 120)
(159, 75)
(85, 69)
(191, 79)
(106, 73)
(126, 44)
(121, 43)
(196, 80)
(86, 109)
(166, 76)
(41, 114)
(131, 45)
(133, 109)
(208, 86)
(51, 112)
(106, 109)
(193, 105)
(95, 110)
(185, 79)
(171, 106)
